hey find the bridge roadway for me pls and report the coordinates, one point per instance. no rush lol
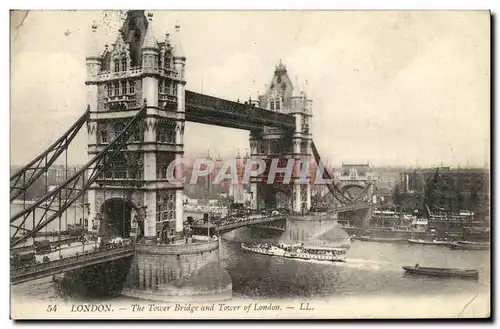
(249, 221)
(32, 272)
(234, 223)
(237, 222)
(352, 207)
(56, 243)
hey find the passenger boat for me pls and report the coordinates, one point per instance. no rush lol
(263, 249)
(469, 245)
(441, 272)
(370, 239)
(322, 253)
(430, 242)
(299, 251)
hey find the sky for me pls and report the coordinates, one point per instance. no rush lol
(389, 88)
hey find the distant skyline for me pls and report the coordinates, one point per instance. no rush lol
(404, 89)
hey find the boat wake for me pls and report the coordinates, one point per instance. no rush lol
(353, 263)
(366, 261)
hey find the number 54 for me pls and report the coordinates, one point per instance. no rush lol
(51, 308)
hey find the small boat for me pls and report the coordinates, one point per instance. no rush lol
(370, 239)
(429, 242)
(441, 272)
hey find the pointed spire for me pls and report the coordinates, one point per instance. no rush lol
(280, 68)
(93, 50)
(304, 87)
(149, 38)
(179, 50)
(120, 44)
(297, 92)
(167, 39)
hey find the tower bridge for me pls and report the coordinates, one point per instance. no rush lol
(137, 107)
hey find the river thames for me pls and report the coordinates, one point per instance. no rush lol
(371, 269)
(261, 276)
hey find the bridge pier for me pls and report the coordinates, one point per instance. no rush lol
(178, 272)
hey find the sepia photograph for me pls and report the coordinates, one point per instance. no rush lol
(250, 164)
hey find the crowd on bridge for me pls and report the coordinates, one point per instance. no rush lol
(44, 253)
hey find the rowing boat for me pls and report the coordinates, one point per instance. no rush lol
(441, 272)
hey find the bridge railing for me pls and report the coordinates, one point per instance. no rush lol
(181, 249)
(250, 221)
(18, 271)
(355, 206)
(55, 243)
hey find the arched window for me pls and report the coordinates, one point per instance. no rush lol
(116, 65)
(124, 87)
(171, 132)
(118, 128)
(166, 86)
(271, 105)
(116, 87)
(136, 135)
(274, 147)
(167, 63)
(119, 168)
(278, 103)
(104, 136)
(162, 86)
(124, 63)
(131, 87)
(161, 135)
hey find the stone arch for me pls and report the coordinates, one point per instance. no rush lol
(275, 194)
(117, 216)
(351, 191)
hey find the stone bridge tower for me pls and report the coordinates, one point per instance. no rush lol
(137, 71)
(274, 143)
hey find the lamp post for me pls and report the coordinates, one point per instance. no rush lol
(251, 198)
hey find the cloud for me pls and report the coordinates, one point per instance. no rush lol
(387, 87)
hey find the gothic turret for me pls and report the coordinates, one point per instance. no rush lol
(297, 96)
(297, 92)
(179, 56)
(93, 50)
(150, 49)
(178, 48)
(94, 57)
(280, 68)
(149, 39)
